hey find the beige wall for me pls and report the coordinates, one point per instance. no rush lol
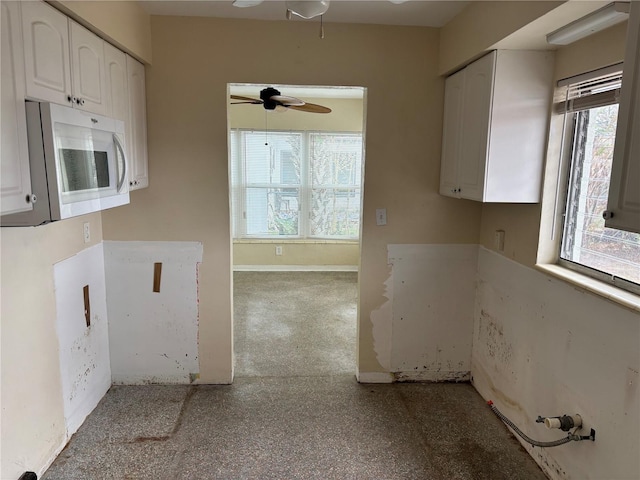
(483, 24)
(347, 116)
(188, 197)
(124, 23)
(296, 253)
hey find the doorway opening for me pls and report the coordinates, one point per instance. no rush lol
(296, 169)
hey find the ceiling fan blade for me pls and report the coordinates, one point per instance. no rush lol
(246, 99)
(311, 108)
(287, 101)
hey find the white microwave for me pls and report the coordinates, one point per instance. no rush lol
(78, 164)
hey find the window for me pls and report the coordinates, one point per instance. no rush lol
(296, 184)
(591, 107)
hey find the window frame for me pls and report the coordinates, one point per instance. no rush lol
(238, 186)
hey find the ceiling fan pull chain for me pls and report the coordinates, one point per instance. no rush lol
(321, 26)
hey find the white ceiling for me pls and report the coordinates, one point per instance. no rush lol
(425, 13)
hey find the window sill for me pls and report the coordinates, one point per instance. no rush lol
(283, 241)
(610, 292)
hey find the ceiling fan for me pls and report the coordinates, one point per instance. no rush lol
(271, 99)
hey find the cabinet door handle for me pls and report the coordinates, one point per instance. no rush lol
(80, 101)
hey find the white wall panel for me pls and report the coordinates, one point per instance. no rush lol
(84, 350)
(544, 347)
(153, 335)
(432, 311)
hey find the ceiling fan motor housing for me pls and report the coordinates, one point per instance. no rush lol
(265, 96)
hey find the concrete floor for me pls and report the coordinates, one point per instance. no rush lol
(288, 417)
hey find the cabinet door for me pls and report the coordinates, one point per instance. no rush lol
(138, 176)
(451, 133)
(478, 91)
(45, 32)
(87, 67)
(15, 182)
(624, 189)
(115, 67)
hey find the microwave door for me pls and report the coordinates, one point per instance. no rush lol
(87, 169)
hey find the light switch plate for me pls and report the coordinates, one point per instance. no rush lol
(87, 232)
(381, 216)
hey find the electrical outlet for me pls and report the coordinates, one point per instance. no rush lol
(87, 232)
(278, 250)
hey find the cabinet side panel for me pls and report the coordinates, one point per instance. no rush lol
(519, 125)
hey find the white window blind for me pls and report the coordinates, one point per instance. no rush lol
(589, 93)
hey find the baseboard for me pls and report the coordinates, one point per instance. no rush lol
(433, 376)
(52, 458)
(295, 268)
(374, 377)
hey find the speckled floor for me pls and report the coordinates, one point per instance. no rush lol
(288, 425)
(289, 324)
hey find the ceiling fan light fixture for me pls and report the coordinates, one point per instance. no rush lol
(308, 8)
(246, 3)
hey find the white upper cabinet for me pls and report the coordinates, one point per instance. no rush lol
(495, 125)
(64, 62)
(15, 182)
(87, 67)
(138, 170)
(46, 51)
(623, 208)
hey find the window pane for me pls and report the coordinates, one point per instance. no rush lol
(272, 158)
(272, 211)
(336, 159)
(586, 241)
(335, 212)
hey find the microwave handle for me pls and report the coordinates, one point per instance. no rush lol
(121, 181)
